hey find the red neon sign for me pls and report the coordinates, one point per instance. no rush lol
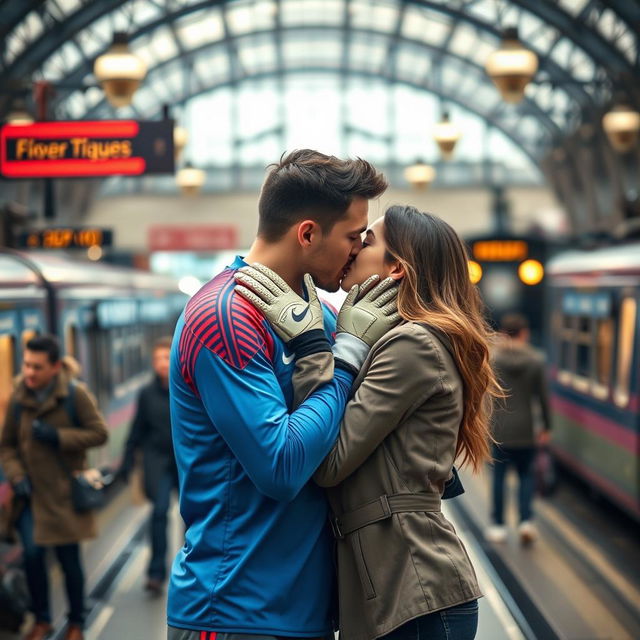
(86, 148)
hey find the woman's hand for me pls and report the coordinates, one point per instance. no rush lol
(370, 310)
(362, 322)
(288, 313)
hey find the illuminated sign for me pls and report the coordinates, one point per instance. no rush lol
(500, 250)
(201, 237)
(67, 238)
(86, 148)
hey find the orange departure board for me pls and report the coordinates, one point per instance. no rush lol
(67, 238)
(500, 250)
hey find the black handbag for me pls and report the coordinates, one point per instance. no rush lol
(84, 496)
(544, 469)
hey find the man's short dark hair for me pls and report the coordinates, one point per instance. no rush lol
(513, 324)
(309, 184)
(45, 344)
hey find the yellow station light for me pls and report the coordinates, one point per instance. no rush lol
(531, 272)
(475, 271)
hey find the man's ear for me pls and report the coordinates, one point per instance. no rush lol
(308, 231)
(397, 271)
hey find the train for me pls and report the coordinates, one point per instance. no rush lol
(106, 317)
(582, 307)
(594, 368)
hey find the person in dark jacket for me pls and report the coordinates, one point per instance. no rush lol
(151, 433)
(40, 445)
(520, 369)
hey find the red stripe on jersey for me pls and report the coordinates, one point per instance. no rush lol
(223, 322)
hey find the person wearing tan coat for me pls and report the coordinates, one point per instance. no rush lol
(38, 441)
(421, 401)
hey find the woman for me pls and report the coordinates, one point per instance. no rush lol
(421, 400)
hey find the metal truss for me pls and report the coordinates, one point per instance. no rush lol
(579, 50)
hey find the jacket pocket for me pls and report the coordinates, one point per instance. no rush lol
(361, 564)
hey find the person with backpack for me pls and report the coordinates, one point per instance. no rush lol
(50, 423)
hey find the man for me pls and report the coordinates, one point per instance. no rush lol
(39, 447)
(520, 369)
(151, 432)
(257, 558)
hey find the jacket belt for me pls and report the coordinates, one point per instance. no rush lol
(382, 508)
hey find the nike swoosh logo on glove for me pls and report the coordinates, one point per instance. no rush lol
(299, 316)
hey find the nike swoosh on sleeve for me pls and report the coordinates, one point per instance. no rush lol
(288, 359)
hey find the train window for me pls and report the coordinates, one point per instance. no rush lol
(71, 341)
(567, 350)
(7, 371)
(626, 335)
(584, 350)
(118, 358)
(604, 357)
(105, 360)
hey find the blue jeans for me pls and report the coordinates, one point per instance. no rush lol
(158, 526)
(455, 623)
(522, 459)
(36, 572)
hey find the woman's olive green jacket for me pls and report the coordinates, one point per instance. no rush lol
(398, 436)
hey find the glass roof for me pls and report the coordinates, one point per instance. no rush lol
(251, 78)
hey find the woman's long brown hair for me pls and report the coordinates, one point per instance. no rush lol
(436, 290)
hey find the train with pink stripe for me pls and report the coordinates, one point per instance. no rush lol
(594, 358)
(106, 317)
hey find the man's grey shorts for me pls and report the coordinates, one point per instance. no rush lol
(185, 634)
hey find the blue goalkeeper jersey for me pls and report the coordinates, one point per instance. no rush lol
(257, 556)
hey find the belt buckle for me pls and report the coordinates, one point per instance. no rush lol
(335, 528)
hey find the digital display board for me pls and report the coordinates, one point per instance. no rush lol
(500, 250)
(81, 148)
(67, 238)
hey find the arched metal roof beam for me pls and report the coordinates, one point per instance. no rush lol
(39, 51)
(528, 106)
(630, 13)
(593, 42)
(521, 143)
(12, 13)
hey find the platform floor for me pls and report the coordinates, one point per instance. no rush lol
(131, 613)
(576, 580)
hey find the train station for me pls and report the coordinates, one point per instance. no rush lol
(319, 319)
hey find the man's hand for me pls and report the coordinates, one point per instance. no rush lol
(370, 317)
(45, 433)
(288, 313)
(22, 488)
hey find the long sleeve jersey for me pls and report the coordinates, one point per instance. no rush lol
(257, 553)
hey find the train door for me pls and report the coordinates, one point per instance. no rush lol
(8, 365)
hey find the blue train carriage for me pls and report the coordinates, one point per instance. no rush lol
(595, 369)
(106, 317)
(23, 309)
(509, 270)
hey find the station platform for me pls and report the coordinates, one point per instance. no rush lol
(568, 585)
